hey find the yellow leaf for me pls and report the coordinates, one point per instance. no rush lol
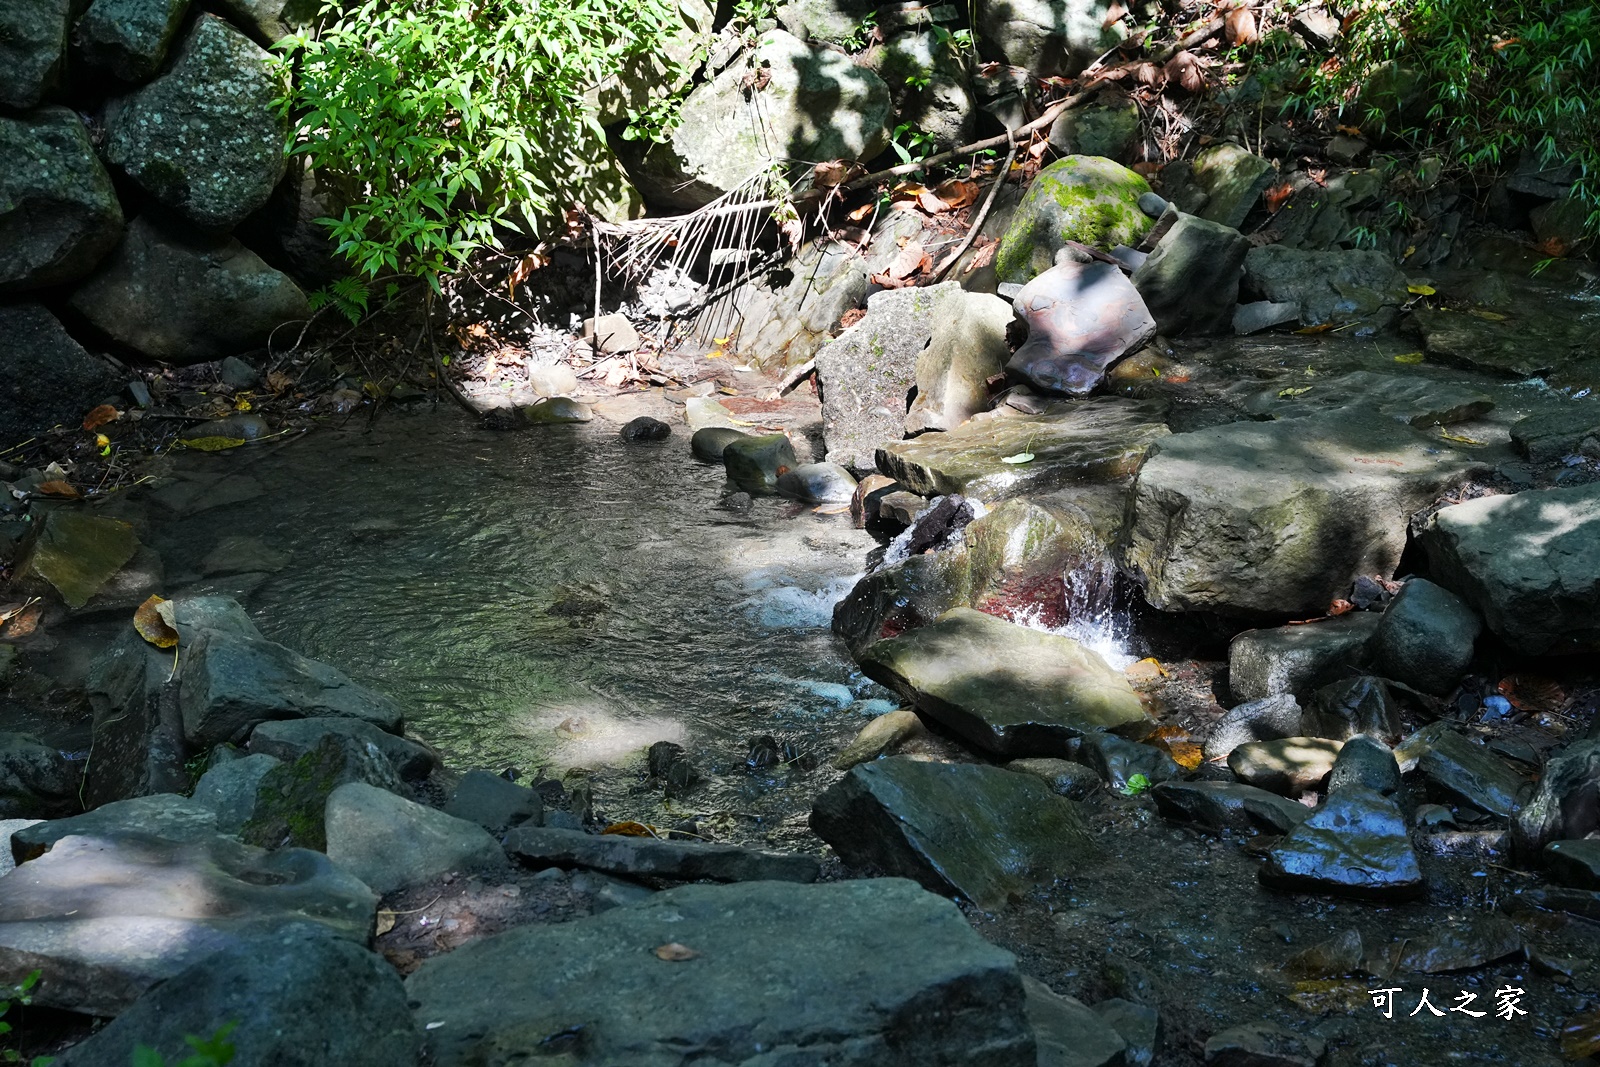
(1303, 390)
(102, 441)
(386, 920)
(1421, 290)
(155, 625)
(673, 952)
(630, 829)
(1409, 357)
(212, 444)
(720, 341)
(1458, 439)
(1488, 316)
(241, 404)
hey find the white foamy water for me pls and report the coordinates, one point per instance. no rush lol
(1095, 617)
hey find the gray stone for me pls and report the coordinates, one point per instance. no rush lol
(1287, 766)
(1138, 1024)
(185, 298)
(1529, 563)
(494, 803)
(552, 379)
(643, 857)
(1218, 806)
(1085, 199)
(1190, 282)
(1112, 129)
(1046, 38)
(873, 973)
(129, 38)
(555, 411)
(390, 842)
(1426, 638)
(966, 349)
(868, 371)
(928, 84)
(1233, 180)
(1574, 863)
(614, 334)
(1566, 803)
(727, 133)
(603, 891)
(109, 915)
(167, 816)
(33, 46)
(978, 832)
(205, 138)
(1080, 319)
(878, 737)
(35, 779)
(1261, 315)
(1556, 432)
(268, 21)
(817, 483)
(1336, 287)
(1010, 690)
(708, 442)
(1117, 760)
(1264, 1045)
(291, 800)
(1064, 777)
(824, 21)
(1295, 659)
(289, 739)
(1281, 517)
(8, 827)
(755, 463)
(45, 377)
(59, 215)
(1527, 346)
(1069, 1033)
(229, 789)
(298, 998)
(1367, 762)
(241, 555)
(1258, 720)
(138, 729)
(1316, 26)
(1355, 844)
(1352, 707)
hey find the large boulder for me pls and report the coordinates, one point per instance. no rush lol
(871, 973)
(1046, 37)
(289, 802)
(390, 842)
(1080, 319)
(966, 349)
(978, 832)
(824, 21)
(58, 212)
(1280, 518)
(1233, 180)
(289, 739)
(45, 376)
(128, 38)
(1008, 689)
(1327, 287)
(660, 72)
(286, 234)
(1296, 659)
(868, 372)
(1566, 804)
(814, 105)
(1529, 563)
(268, 21)
(207, 137)
(183, 298)
(1086, 199)
(928, 83)
(33, 48)
(1190, 283)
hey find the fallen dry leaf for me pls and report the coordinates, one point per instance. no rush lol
(673, 952)
(958, 192)
(1185, 71)
(386, 920)
(533, 261)
(100, 416)
(1240, 26)
(154, 624)
(1341, 607)
(57, 489)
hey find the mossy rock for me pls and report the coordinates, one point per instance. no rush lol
(1088, 199)
(292, 797)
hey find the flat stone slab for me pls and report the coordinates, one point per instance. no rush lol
(635, 857)
(1355, 844)
(1461, 772)
(165, 815)
(106, 917)
(1293, 659)
(1574, 863)
(1285, 765)
(874, 973)
(1511, 345)
(1013, 691)
(1072, 442)
(1219, 806)
(972, 830)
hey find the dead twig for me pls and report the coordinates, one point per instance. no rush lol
(981, 217)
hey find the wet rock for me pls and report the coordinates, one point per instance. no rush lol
(234, 427)
(868, 371)
(1460, 772)
(77, 553)
(1047, 38)
(1528, 346)
(1337, 287)
(1139, 1026)
(902, 508)
(644, 428)
(708, 442)
(1280, 517)
(643, 857)
(35, 779)
(1086, 199)
(183, 298)
(1259, 720)
(296, 997)
(1264, 1045)
(1450, 946)
(555, 410)
(1556, 433)
(817, 483)
(1190, 283)
(205, 138)
(1574, 863)
(1426, 637)
(1072, 443)
(390, 842)
(1008, 689)
(1233, 180)
(1218, 806)
(1292, 659)
(291, 799)
(1116, 760)
(33, 46)
(671, 766)
(877, 737)
(1287, 766)
(1529, 563)
(875, 973)
(1566, 804)
(1064, 777)
(1260, 315)
(128, 38)
(720, 141)
(240, 555)
(138, 727)
(229, 789)
(59, 215)
(289, 739)
(1068, 1032)
(167, 816)
(1353, 706)
(45, 376)
(1336, 957)
(1355, 844)
(494, 803)
(111, 914)
(979, 832)
(755, 463)
(966, 348)
(1080, 319)
(1366, 762)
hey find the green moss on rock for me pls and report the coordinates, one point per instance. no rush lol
(1087, 199)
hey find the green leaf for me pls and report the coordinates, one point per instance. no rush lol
(1137, 784)
(1020, 457)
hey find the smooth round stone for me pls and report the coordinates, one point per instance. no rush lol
(644, 428)
(818, 483)
(709, 441)
(556, 409)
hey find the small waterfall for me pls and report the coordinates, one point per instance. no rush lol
(1095, 609)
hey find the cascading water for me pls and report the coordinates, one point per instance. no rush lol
(1095, 609)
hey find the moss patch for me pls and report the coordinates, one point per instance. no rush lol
(1087, 199)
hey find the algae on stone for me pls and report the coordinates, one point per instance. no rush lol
(1087, 199)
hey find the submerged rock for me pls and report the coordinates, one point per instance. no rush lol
(754, 464)
(644, 857)
(975, 831)
(1355, 844)
(708, 442)
(77, 553)
(1080, 318)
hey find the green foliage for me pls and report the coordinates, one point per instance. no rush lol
(911, 144)
(213, 1051)
(1502, 79)
(862, 36)
(446, 120)
(21, 993)
(1137, 784)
